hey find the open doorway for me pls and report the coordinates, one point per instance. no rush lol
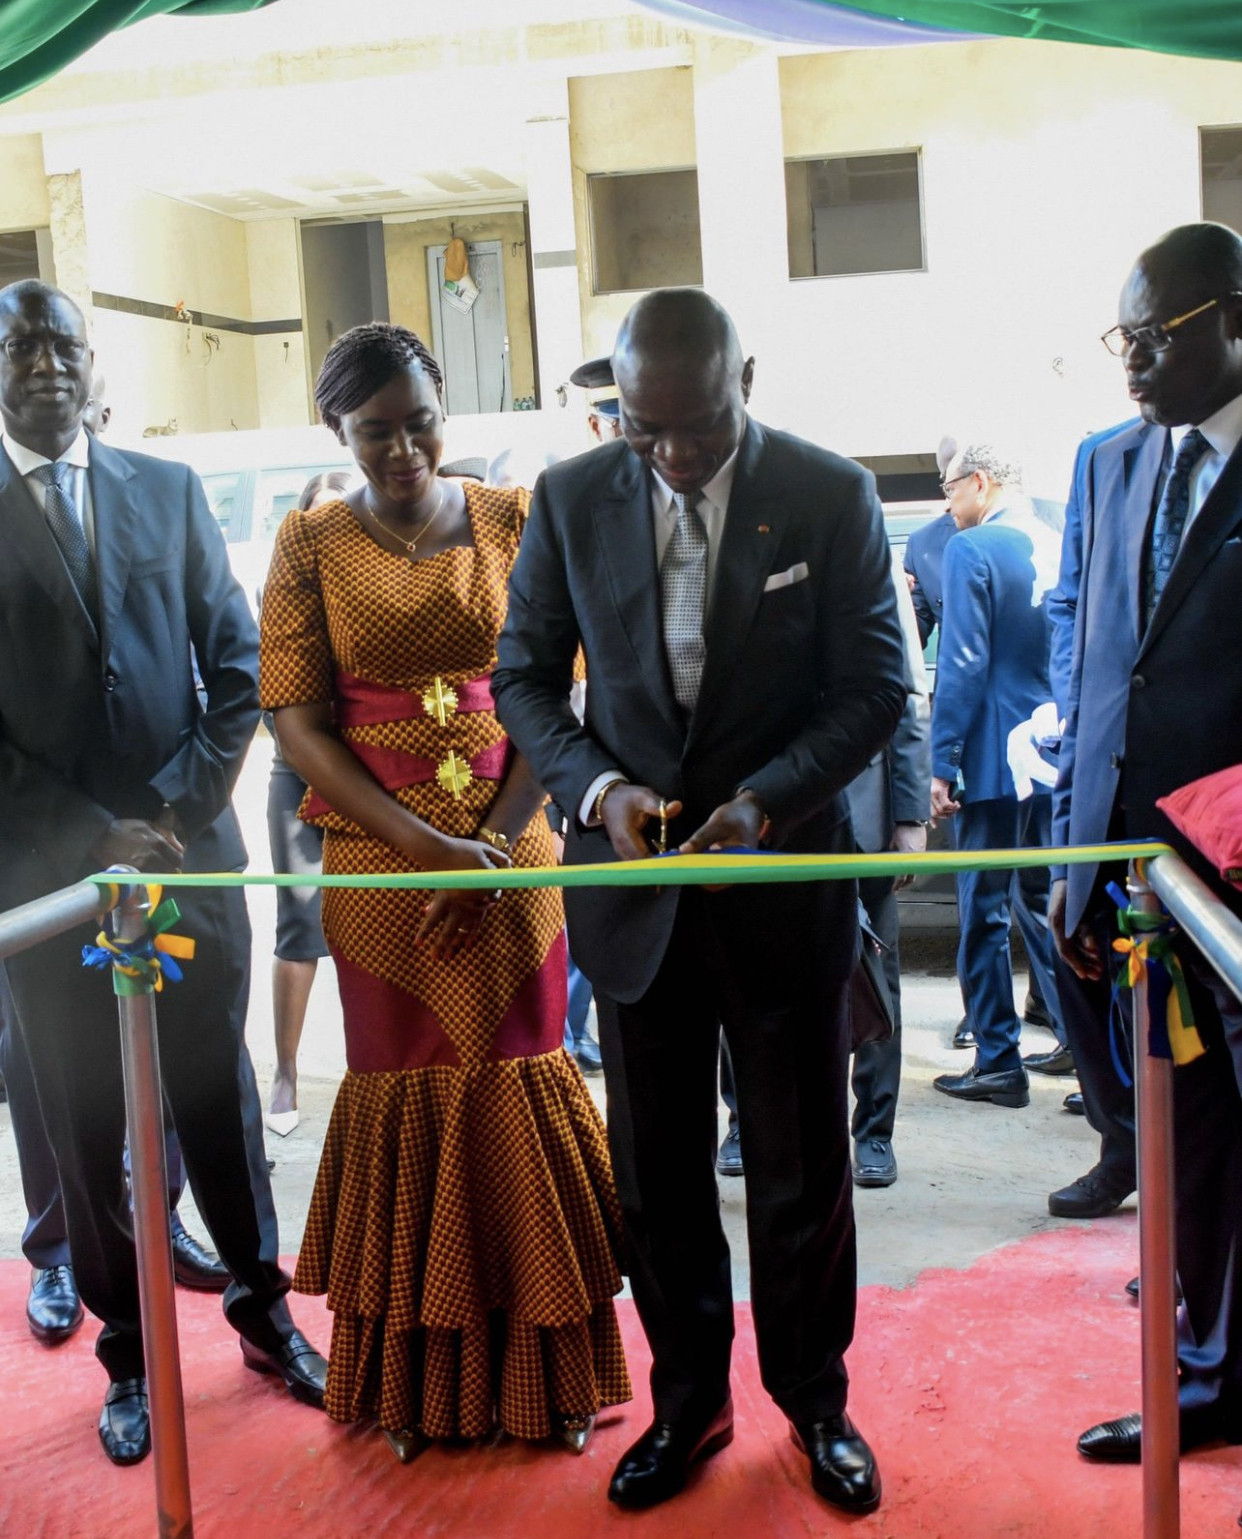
(344, 281)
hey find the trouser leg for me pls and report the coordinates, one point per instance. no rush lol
(45, 1240)
(876, 1075)
(983, 959)
(1032, 885)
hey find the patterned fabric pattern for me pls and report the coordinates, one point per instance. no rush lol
(464, 1224)
(683, 598)
(1170, 520)
(65, 522)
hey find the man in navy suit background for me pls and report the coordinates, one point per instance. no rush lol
(992, 675)
(1155, 701)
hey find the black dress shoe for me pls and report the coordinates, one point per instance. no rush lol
(1036, 1013)
(657, 1466)
(1073, 1103)
(1121, 1441)
(194, 1266)
(1132, 1288)
(1100, 1192)
(587, 1055)
(1008, 1088)
(53, 1308)
(843, 1467)
(125, 1422)
(304, 1370)
(964, 1035)
(1059, 1062)
(874, 1162)
(729, 1160)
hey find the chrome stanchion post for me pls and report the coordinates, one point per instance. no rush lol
(144, 1115)
(1157, 1258)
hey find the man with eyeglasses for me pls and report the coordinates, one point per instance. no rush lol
(1155, 701)
(111, 569)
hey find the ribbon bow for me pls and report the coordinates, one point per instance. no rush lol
(1146, 943)
(140, 966)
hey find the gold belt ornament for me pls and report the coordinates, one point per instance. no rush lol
(454, 773)
(440, 701)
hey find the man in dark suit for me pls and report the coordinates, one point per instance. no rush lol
(993, 675)
(1155, 701)
(112, 571)
(731, 589)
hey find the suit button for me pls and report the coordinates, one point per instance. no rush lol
(109, 680)
(1114, 761)
(1137, 681)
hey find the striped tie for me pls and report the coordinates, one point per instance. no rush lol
(66, 526)
(1170, 521)
(683, 598)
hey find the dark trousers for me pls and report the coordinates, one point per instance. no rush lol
(773, 971)
(1085, 1008)
(876, 1075)
(67, 1017)
(985, 902)
(45, 1239)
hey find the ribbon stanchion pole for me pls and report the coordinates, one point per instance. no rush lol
(144, 1115)
(1153, 1078)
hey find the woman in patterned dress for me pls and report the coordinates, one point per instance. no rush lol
(464, 1224)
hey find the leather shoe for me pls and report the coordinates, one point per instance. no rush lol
(658, 1464)
(53, 1308)
(875, 1164)
(304, 1370)
(194, 1266)
(1073, 1103)
(843, 1469)
(125, 1422)
(1121, 1441)
(729, 1160)
(1059, 1062)
(587, 1055)
(1100, 1192)
(1007, 1088)
(1132, 1288)
(1036, 1013)
(964, 1035)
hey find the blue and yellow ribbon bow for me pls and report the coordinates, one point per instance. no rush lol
(140, 966)
(1146, 942)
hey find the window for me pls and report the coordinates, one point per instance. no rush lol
(854, 214)
(645, 230)
(19, 256)
(1220, 151)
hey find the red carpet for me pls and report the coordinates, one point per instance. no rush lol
(971, 1386)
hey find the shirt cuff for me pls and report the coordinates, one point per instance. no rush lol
(586, 806)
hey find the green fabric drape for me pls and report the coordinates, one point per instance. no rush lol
(1210, 29)
(39, 37)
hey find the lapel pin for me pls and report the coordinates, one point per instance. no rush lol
(765, 529)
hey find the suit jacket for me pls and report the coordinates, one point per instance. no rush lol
(924, 560)
(803, 681)
(97, 726)
(1063, 600)
(993, 664)
(1150, 710)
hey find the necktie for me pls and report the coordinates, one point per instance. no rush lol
(62, 519)
(1170, 520)
(683, 598)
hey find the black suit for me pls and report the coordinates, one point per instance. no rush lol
(803, 683)
(101, 726)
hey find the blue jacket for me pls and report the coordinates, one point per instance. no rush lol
(993, 665)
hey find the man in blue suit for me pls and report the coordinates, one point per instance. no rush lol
(1155, 701)
(992, 675)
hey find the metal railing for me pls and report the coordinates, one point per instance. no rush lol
(1162, 879)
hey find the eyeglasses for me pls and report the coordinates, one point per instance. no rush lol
(1153, 339)
(25, 350)
(945, 486)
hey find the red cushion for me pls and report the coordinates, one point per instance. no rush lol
(1209, 813)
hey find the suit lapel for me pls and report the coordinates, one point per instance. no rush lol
(626, 542)
(1216, 520)
(32, 548)
(1141, 470)
(753, 530)
(115, 514)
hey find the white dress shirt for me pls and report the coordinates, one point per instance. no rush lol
(78, 485)
(713, 505)
(1223, 431)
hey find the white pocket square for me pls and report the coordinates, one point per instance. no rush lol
(796, 573)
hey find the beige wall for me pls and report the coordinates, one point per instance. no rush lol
(642, 120)
(409, 300)
(281, 380)
(23, 184)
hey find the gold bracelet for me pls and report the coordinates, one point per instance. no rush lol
(597, 811)
(497, 841)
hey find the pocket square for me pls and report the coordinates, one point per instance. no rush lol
(796, 573)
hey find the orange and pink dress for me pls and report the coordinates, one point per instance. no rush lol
(464, 1224)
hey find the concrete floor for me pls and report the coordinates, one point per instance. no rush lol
(972, 1178)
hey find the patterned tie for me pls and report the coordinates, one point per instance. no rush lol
(683, 597)
(62, 519)
(1170, 520)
